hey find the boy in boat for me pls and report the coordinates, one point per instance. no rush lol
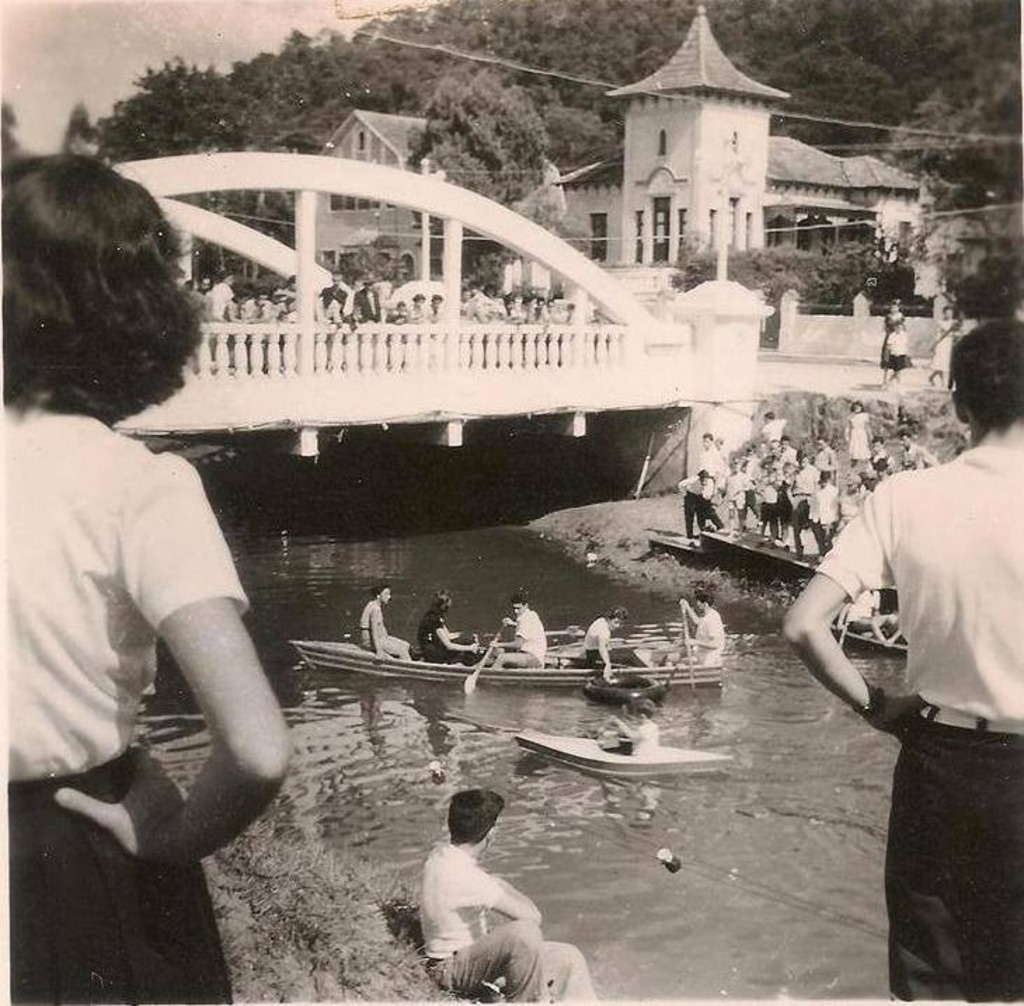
(373, 634)
(948, 540)
(463, 953)
(708, 631)
(530, 646)
(637, 734)
(597, 641)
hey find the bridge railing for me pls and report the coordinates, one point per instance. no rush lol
(258, 351)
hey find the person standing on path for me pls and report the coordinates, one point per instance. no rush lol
(858, 436)
(949, 540)
(892, 323)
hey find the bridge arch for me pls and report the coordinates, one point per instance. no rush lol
(310, 174)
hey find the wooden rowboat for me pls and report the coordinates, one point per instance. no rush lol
(337, 656)
(584, 753)
(862, 635)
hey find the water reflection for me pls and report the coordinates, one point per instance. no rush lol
(780, 890)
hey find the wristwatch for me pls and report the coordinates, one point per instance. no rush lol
(875, 702)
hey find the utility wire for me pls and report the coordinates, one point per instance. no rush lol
(519, 67)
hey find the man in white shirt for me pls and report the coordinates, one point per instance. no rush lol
(712, 460)
(708, 641)
(824, 512)
(465, 955)
(949, 539)
(597, 641)
(221, 299)
(805, 485)
(530, 646)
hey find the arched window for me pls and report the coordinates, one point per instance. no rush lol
(662, 143)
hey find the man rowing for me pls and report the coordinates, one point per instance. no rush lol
(709, 632)
(530, 645)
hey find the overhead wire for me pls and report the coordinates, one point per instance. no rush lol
(520, 67)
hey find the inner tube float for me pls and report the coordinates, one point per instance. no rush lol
(624, 688)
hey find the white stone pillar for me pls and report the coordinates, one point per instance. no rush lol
(452, 270)
(305, 249)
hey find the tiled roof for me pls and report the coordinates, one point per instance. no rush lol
(790, 160)
(699, 64)
(394, 130)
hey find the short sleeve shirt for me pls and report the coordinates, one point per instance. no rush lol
(950, 540)
(530, 629)
(105, 540)
(710, 630)
(454, 899)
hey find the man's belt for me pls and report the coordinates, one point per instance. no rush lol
(955, 718)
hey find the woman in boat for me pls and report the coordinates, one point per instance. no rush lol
(437, 643)
(597, 641)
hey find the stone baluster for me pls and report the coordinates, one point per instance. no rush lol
(320, 351)
(274, 353)
(290, 355)
(221, 355)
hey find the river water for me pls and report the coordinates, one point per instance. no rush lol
(780, 891)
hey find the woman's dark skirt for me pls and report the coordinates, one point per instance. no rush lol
(90, 923)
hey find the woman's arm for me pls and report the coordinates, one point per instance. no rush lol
(449, 643)
(249, 747)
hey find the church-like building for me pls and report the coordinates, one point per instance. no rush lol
(699, 166)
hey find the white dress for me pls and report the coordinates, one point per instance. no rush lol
(859, 442)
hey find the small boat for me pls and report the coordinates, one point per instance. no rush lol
(862, 634)
(749, 547)
(339, 656)
(624, 688)
(584, 753)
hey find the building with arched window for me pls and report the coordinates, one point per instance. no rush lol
(699, 166)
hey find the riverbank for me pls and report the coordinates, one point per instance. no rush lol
(300, 923)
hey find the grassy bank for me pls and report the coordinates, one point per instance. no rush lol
(303, 924)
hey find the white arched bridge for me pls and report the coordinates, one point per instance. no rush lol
(310, 375)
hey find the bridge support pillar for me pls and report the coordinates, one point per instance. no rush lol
(307, 442)
(448, 434)
(573, 424)
(305, 248)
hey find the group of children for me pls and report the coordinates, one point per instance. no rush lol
(783, 491)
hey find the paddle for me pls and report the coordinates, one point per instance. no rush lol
(689, 646)
(469, 685)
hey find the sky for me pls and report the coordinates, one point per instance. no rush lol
(57, 53)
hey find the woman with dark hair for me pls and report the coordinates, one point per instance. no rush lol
(109, 548)
(437, 643)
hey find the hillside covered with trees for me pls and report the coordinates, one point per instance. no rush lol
(947, 66)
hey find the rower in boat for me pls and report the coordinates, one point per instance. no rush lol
(637, 734)
(530, 646)
(373, 634)
(708, 640)
(865, 614)
(597, 642)
(437, 643)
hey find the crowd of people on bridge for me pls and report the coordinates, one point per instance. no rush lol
(372, 300)
(784, 491)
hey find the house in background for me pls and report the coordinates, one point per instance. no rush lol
(699, 167)
(345, 224)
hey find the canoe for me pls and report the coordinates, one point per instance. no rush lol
(583, 753)
(624, 688)
(748, 548)
(861, 635)
(328, 655)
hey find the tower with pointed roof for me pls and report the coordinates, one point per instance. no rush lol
(696, 145)
(699, 167)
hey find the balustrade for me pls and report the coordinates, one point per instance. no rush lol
(258, 351)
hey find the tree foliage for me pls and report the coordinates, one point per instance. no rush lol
(80, 135)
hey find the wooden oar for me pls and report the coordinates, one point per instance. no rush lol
(689, 647)
(469, 685)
